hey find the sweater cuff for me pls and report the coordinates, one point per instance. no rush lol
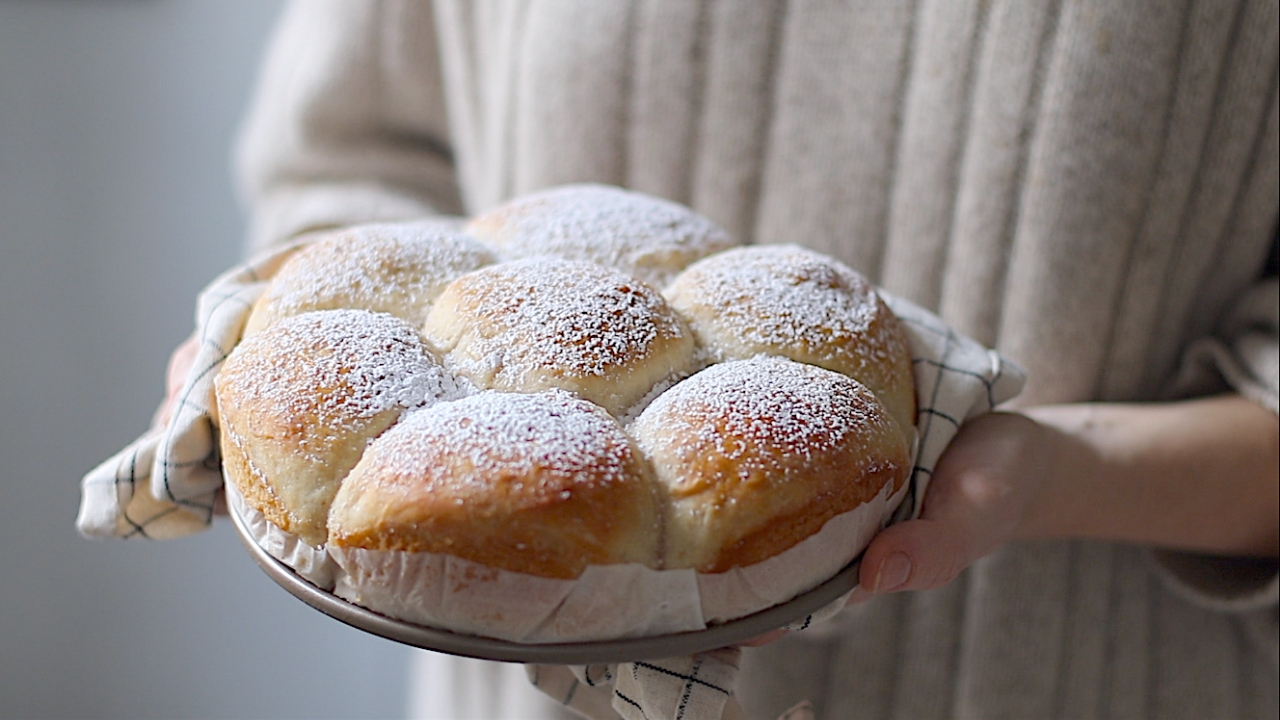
(1243, 356)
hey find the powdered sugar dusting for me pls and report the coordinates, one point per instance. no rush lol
(640, 234)
(574, 318)
(552, 439)
(398, 268)
(337, 367)
(762, 413)
(574, 306)
(778, 298)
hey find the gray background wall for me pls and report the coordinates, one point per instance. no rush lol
(116, 206)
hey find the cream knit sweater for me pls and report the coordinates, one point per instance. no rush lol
(1089, 186)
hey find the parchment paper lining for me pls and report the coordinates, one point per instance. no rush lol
(312, 563)
(606, 602)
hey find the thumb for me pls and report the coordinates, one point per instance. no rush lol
(974, 504)
(915, 555)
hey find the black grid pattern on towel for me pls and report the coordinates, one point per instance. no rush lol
(931, 372)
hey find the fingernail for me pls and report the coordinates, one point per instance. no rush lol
(893, 573)
(858, 595)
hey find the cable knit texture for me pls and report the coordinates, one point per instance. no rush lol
(1088, 186)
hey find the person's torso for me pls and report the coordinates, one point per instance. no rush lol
(1083, 185)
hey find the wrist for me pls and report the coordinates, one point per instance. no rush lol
(1195, 475)
(1066, 469)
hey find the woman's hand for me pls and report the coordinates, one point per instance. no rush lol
(1198, 475)
(978, 498)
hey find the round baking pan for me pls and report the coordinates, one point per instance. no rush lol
(579, 653)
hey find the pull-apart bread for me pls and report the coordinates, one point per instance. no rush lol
(583, 415)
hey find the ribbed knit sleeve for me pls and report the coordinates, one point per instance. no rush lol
(1243, 352)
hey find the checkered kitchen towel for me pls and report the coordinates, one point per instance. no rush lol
(168, 483)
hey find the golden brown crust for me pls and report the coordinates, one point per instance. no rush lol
(537, 324)
(788, 301)
(543, 484)
(396, 268)
(786, 531)
(299, 402)
(645, 236)
(748, 458)
(239, 470)
(756, 455)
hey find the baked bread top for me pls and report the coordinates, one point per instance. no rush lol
(541, 483)
(560, 410)
(299, 402)
(791, 302)
(396, 268)
(541, 323)
(648, 237)
(753, 456)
